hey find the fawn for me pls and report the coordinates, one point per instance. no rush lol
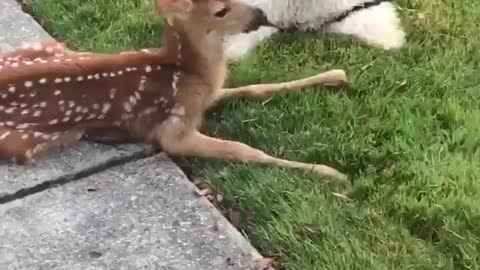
(50, 97)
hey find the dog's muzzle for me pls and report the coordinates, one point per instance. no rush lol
(259, 19)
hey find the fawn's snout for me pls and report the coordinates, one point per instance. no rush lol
(223, 16)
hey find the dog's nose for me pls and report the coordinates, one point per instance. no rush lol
(259, 19)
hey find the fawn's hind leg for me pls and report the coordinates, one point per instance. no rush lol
(330, 78)
(192, 143)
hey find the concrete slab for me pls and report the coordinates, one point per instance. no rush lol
(116, 209)
(141, 215)
(17, 27)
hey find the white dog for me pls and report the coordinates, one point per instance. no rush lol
(374, 22)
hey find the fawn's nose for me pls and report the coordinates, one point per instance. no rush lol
(259, 19)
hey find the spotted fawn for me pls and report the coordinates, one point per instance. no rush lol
(51, 97)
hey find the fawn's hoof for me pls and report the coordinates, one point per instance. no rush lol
(329, 172)
(335, 77)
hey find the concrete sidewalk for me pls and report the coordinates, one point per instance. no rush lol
(103, 207)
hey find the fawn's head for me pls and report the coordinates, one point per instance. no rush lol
(223, 16)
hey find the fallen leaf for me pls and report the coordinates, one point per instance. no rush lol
(341, 196)
(401, 84)
(214, 227)
(223, 173)
(235, 217)
(367, 66)
(219, 197)
(91, 189)
(312, 230)
(264, 263)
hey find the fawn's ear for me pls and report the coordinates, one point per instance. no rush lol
(169, 8)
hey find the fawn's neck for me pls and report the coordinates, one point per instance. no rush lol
(198, 53)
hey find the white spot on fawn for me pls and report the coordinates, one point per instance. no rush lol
(5, 135)
(127, 107)
(176, 78)
(106, 107)
(37, 113)
(10, 110)
(141, 85)
(132, 100)
(148, 69)
(112, 93)
(23, 126)
(37, 47)
(57, 92)
(28, 84)
(53, 122)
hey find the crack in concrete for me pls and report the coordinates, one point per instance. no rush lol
(62, 180)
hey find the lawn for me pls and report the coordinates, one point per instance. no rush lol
(407, 128)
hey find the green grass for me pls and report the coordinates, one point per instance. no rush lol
(408, 129)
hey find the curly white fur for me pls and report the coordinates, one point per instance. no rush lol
(377, 26)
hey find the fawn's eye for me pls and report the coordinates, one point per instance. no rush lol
(222, 12)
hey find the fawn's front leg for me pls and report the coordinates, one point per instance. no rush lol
(175, 140)
(334, 77)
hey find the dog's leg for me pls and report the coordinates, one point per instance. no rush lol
(377, 26)
(196, 144)
(239, 45)
(329, 78)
